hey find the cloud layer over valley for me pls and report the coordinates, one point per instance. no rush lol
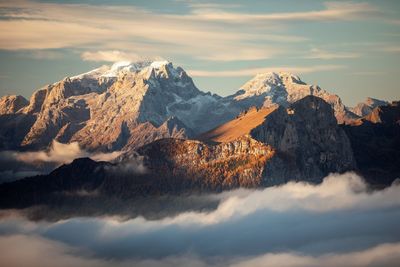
(335, 223)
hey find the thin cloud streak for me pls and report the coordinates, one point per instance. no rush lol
(109, 56)
(317, 53)
(254, 71)
(333, 11)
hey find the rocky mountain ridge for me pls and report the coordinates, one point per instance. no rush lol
(127, 105)
(167, 166)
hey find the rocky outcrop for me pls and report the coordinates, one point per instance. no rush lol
(11, 104)
(388, 114)
(309, 144)
(14, 122)
(239, 163)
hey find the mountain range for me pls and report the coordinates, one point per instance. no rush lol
(176, 139)
(127, 105)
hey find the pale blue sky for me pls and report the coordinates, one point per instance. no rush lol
(351, 48)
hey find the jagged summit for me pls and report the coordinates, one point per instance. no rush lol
(364, 108)
(123, 67)
(267, 82)
(10, 104)
(283, 88)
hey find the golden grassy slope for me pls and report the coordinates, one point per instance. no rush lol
(235, 128)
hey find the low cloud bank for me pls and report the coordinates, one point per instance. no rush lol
(15, 165)
(336, 223)
(62, 153)
(37, 251)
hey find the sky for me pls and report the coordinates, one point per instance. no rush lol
(351, 48)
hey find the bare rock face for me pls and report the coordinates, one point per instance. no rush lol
(185, 165)
(11, 104)
(309, 144)
(14, 122)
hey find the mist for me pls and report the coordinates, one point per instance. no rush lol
(335, 223)
(16, 165)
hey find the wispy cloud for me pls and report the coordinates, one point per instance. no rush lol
(333, 11)
(367, 73)
(317, 53)
(254, 71)
(44, 54)
(60, 153)
(136, 31)
(109, 56)
(391, 49)
(394, 21)
(109, 33)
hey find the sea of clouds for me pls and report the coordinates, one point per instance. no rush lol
(340, 222)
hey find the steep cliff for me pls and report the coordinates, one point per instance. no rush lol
(309, 144)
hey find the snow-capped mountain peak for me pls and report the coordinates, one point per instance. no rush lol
(268, 83)
(117, 68)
